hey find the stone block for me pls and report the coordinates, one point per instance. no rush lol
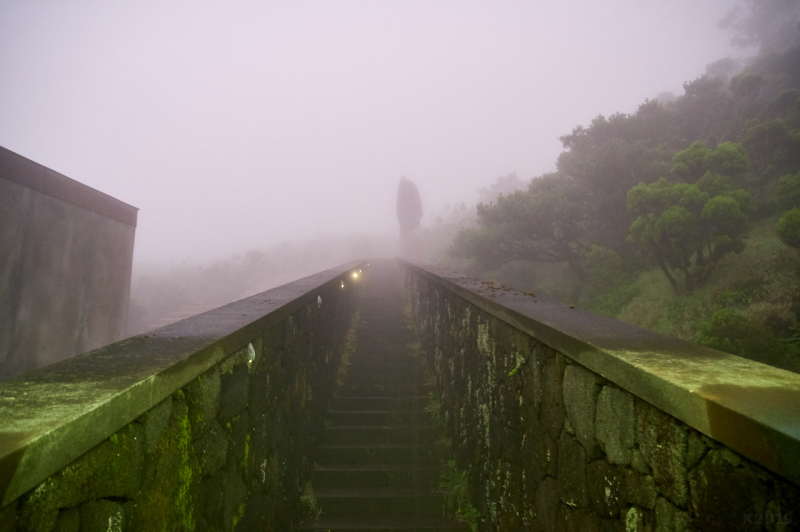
(546, 503)
(572, 472)
(102, 516)
(725, 497)
(111, 469)
(640, 489)
(615, 424)
(154, 421)
(671, 519)
(8, 517)
(552, 409)
(239, 438)
(581, 388)
(234, 391)
(166, 500)
(539, 454)
(605, 483)
(210, 501)
(202, 399)
(636, 519)
(69, 520)
(577, 520)
(234, 496)
(211, 449)
(663, 444)
(696, 449)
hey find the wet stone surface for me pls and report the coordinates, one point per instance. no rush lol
(216, 455)
(592, 455)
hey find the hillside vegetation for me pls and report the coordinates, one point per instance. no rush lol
(681, 217)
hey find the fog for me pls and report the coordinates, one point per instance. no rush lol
(240, 125)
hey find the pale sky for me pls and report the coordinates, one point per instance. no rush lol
(235, 125)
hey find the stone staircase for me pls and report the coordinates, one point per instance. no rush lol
(378, 463)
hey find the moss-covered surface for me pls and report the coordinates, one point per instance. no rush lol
(551, 445)
(227, 451)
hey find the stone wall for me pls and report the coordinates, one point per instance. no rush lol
(227, 447)
(552, 445)
(65, 266)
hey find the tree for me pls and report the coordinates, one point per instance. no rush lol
(546, 223)
(502, 186)
(772, 25)
(788, 228)
(688, 228)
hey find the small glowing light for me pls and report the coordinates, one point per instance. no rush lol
(355, 275)
(359, 271)
(342, 284)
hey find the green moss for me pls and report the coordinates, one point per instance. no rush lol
(113, 438)
(238, 516)
(183, 499)
(246, 452)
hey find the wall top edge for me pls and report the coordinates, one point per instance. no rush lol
(30, 174)
(748, 406)
(54, 414)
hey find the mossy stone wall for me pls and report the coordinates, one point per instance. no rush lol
(227, 451)
(550, 445)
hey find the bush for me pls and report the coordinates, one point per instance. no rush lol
(788, 228)
(729, 331)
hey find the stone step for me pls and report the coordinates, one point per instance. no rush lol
(389, 453)
(389, 524)
(382, 390)
(376, 359)
(380, 403)
(376, 475)
(379, 501)
(359, 418)
(379, 434)
(380, 378)
(368, 369)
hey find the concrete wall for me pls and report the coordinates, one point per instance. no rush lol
(567, 421)
(65, 266)
(205, 424)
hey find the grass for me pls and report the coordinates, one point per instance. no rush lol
(761, 285)
(310, 507)
(434, 408)
(457, 503)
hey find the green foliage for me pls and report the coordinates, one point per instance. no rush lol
(434, 408)
(309, 503)
(689, 228)
(457, 499)
(789, 191)
(547, 223)
(773, 147)
(603, 265)
(592, 232)
(788, 228)
(727, 159)
(769, 24)
(727, 330)
(746, 86)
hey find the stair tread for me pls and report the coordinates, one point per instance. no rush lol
(378, 466)
(382, 523)
(374, 492)
(376, 445)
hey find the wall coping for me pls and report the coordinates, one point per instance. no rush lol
(55, 414)
(750, 407)
(30, 174)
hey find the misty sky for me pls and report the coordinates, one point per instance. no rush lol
(234, 125)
